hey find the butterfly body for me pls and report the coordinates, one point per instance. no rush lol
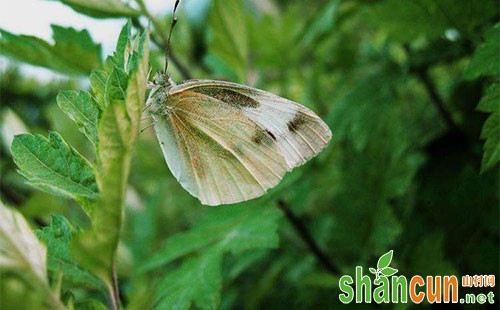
(226, 142)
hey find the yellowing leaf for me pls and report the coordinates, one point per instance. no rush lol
(20, 250)
(118, 129)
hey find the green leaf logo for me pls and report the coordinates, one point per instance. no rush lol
(388, 271)
(384, 260)
(383, 269)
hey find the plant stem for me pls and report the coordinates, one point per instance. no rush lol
(115, 294)
(54, 301)
(422, 73)
(438, 102)
(306, 236)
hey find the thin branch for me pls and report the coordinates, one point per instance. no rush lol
(422, 73)
(305, 235)
(438, 102)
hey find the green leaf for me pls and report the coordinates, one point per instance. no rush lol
(491, 147)
(197, 282)
(227, 35)
(491, 127)
(73, 53)
(116, 86)
(372, 270)
(52, 165)
(58, 237)
(388, 271)
(120, 57)
(102, 8)
(384, 260)
(489, 102)
(225, 230)
(118, 129)
(486, 59)
(233, 229)
(98, 80)
(83, 110)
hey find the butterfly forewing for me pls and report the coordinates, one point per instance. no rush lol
(299, 132)
(215, 151)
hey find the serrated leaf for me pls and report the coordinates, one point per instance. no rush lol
(227, 35)
(77, 48)
(98, 80)
(234, 230)
(225, 230)
(486, 59)
(197, 282)
(120, 57)
(52, 165)
(83, 110)
(384, 260)
(489, 102)
(118, 129)
(58, 237)
(491, 128)
(116, 86)
(73, 53)
(388, 271)
(102, 8)
(491, 133)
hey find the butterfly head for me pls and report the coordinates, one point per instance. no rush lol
(160, 87)
(163, 79)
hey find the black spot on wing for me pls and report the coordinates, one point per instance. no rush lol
(228, 96)
(271, 135)
(297, 122)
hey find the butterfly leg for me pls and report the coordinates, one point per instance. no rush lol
(146, 106)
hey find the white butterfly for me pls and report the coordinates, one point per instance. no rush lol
(226, 142)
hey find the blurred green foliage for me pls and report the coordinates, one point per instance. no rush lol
(409, 89)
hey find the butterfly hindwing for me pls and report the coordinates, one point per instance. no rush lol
(299, 132)
(215, 151)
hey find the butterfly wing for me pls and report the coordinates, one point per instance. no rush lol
(217, 153)
(298, 131)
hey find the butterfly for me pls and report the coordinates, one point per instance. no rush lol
(225, 142)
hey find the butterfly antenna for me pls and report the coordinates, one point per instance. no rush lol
(172, 25)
